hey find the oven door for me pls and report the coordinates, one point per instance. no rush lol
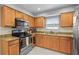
(28, 41)
(22, 42)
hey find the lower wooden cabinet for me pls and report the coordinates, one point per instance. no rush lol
(46, 41)
(10, 47)
(38, 40)
(66, 45)
(14, 49)
(55, 43)
(58, 43)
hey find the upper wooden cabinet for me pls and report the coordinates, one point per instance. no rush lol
(26, 17)
(40, 22)
(31, 21)
(54, 42)
(8, 16)
(66, 19)
(19, 15)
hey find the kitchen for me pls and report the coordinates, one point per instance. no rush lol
(23, 27)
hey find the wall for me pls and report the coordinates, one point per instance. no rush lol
(19, 9)
(67, 29)
(5, 30)
(57, 11)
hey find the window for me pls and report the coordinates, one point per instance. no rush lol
(52, 22)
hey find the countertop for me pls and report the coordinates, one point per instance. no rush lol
(7, 37)
(56, 34)
(10, 37)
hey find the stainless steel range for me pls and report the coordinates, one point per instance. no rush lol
(25, 39)
(28, 46)
(25, 45)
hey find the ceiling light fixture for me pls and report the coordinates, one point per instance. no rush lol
(38, 9)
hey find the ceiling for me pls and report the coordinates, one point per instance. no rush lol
(39, 8)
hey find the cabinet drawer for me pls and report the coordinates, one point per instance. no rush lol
(14, 42)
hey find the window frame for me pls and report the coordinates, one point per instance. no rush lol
(53, 24)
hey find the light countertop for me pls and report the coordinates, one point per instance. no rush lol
(7, 38)
(56, 34)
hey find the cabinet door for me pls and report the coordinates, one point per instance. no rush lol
(43, 41)
(38, 41)
(14, 49)
(39, 22)
(26, 17)
(31, 21)
(47, 41)
(66, 19)
(19, 15)
(52, 43)
(70, 45)
(56, 43)
(66, 45)
(8, 16)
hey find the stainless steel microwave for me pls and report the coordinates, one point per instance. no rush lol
(20, 23)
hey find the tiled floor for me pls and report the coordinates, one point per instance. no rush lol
(43, 51)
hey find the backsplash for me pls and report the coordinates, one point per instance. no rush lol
(61, 29)
(67, 29)
(5, 30)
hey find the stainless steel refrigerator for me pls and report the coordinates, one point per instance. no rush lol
(76, 32)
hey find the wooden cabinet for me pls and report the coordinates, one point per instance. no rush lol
(26, 17)
(31, 21)
(19, 15)
(10, 47)
(66, 45)
(14, 49)
(46, 41)
(66, 19)
(8, 16)
(39, 40)
(40, 22)
(58, 43)
(54, 43)
(42, 41)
